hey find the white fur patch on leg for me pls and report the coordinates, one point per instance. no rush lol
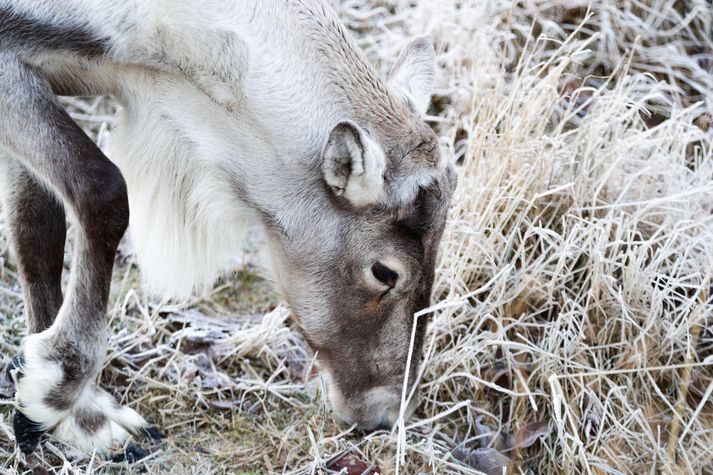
(34, 380)
(97, 422)
(92, 421)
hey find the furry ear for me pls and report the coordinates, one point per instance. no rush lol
(414, 73)
(353, 166)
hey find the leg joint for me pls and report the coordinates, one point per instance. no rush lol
(103, 209)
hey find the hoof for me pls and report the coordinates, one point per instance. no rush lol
(131, 454)
(153, 433)
(27, 432)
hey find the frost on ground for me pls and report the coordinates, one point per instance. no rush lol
(572, 330)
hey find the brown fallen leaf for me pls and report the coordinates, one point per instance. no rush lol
(486, 460)
(531, 433)
(351, 464)
(577, 97)
(298, 360)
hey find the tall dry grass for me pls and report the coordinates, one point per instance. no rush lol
(575, 274)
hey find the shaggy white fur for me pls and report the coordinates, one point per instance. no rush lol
(37, 377)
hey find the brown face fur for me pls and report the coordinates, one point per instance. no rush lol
(360, 327)
(355, 247)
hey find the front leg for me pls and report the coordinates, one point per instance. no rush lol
(37, 229)
(56, 372)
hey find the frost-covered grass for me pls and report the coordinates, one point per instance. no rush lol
(572, 327)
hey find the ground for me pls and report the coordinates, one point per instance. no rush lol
(571, 330)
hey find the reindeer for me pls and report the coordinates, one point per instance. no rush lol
(234, 112)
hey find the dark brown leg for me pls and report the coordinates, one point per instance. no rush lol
(58, 366)
(37, 229)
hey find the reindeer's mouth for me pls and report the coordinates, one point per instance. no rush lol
(374, 409)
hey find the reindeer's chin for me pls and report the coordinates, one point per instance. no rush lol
(375, 409)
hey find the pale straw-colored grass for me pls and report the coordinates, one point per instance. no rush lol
(571, 329)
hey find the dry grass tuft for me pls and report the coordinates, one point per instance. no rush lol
(573, 326)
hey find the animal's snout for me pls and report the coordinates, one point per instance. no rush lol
(375, 409)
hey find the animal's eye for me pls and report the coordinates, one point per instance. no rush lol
(384, 275)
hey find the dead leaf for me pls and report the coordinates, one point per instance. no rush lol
(483, 432)
(351, 464)
(298, 359)
(577, 97)
(7, 385)
(485, 460)
(531, 433)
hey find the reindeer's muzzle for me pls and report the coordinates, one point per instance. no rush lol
(376, 409)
